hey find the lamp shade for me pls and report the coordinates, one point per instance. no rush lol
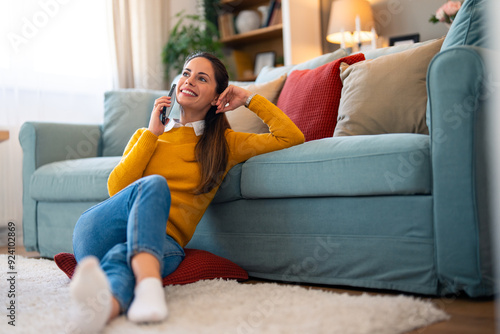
(351, 21)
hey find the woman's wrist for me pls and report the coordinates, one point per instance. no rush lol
(154, 132)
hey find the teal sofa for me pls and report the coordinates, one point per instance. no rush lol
(321, 212)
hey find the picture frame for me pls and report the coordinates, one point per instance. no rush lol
(406, 39)
(264, 59)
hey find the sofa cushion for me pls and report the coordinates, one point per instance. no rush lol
(311, 98)
(387, 94)
(242, 119)
(342, 166)
(469, 26)
(73, 180)
(320, 60)
(271, 73)
(125, 111)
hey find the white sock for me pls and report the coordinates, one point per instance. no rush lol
(91, 297)
(149, 303)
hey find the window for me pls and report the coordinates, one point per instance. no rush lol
(56, 53)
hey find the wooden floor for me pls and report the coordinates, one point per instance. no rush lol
(467, 315)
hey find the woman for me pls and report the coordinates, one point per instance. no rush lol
(164, 182)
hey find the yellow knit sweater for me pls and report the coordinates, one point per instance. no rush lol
(172, 156)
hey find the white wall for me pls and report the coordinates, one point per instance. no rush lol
(301, 38)
(395, 18)
(189, 7)
(176, 6)
(405, 17)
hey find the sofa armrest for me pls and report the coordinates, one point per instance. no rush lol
(43, 143)
(457, 100)
(50, 142)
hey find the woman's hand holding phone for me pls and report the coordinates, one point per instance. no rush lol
(155, 125)
(161, 111)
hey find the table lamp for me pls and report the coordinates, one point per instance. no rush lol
(351, 23)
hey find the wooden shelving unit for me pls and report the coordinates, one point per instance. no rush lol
(4, 135)
(245, 47)
(294, 39)
(254, 36)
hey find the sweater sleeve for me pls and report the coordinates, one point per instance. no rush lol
(283, 133)
(134, 161)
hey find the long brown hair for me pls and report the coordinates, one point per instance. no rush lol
(211, 151)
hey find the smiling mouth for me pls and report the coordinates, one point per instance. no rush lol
(188, 92)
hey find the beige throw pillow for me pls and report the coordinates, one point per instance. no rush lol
(387, 94)
(242, 119)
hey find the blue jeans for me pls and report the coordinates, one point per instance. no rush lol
(132, 221)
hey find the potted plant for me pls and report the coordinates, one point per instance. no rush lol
(191, 33)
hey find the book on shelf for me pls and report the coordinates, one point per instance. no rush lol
(270, 11)
(226, 25)
(273, 13)
(276, 14)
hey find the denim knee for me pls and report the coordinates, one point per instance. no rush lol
(98, 229)
(156, 184)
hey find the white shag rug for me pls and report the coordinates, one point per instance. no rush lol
(214, 306)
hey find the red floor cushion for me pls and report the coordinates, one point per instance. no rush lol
(197, 265)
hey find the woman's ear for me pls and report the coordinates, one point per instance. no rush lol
(214, 101)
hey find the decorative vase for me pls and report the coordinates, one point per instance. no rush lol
(247, 20)
(263, 14)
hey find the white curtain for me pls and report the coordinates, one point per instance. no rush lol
(140, 32)
(55, 64)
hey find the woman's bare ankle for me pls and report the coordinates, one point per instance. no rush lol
(145, 265)
(115, 309)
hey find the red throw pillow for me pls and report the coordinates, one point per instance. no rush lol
(197, 265)
(311, 98)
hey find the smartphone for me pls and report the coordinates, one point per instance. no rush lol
(164, 114)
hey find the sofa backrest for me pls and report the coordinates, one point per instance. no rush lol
(373, 54)
(125, 111)
(270, 73)
(469, 26)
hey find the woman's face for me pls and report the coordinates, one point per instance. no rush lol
(196, 89)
